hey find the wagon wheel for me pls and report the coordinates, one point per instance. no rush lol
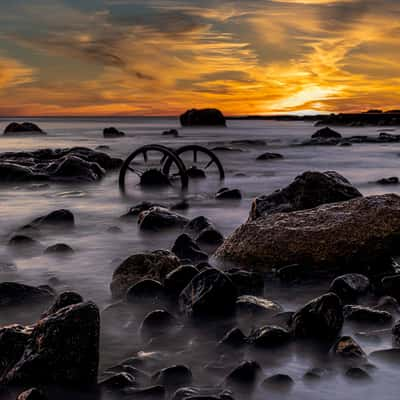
(146, 167)
(211, 159)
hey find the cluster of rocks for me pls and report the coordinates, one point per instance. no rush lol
(370, 118)
(77, 164)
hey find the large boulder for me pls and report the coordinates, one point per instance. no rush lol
(63, 349)
(24, 129)
(355, 235)
(308, 190)
(155, 265)
(203, 117)
(55, 219)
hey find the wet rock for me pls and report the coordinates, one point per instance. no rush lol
(179, 278)
(388, 304)
(18, 294)
(326, 133)
(210, 237)
(256, 306)
(228, 194)
(309, 190)
(269, 337)
(394, 180)
(141, 378)
(173, 377)
(56, 219)
(112, 133)
(59, 248)
(350, 286)
(197, 225)
(234, 338)
(247, 282)
(103, 147)
(203, 117)
(270, 156)
(117, 381)
(315, 237)
(315, 374)
(171, 132)
(157, 218)
(64, 299)
(391, 286)
(145, 289)
(193, 393)
(196, 173)
(24, 129)
(32, 394)
(366, 314)
(63, 349)
(321, 318)
(155, 265)
(246, 373)
(147, 393)
(278, 383)
(158, 323)
(135, 211)
(73, 168)
(210, 293)
(186, 249)
(356, 373)
(347, 348)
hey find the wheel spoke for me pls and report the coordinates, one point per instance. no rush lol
(136, 172)
(211, 162)
(165, 156)
(145, 158)
(195, 156)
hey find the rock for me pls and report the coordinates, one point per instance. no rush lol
(246, 373)
(366, 314)
(347, 348)
(116, 230)
(389, 304)
(197, 225)
(117, 381)
(59, 248)
(56, 219)
(210, 293)
(256, 306)
(270, 156)
(247, 282)
(112, 133)
(145, 289)
(73, 168)
(210, 237)
(350, 286)
(394, 180)
(269, 337)
(233, 338)
(63, 350)
(326, 133)
(64, 299)
(196, 173)
(32, 394)
(139, 208)
(140, 377)
(26, 128)
(321, 318)
(356, 373)
(278, 383)
(23, 242)
(315, 237)
(396, 332)
(173, 377)
(391, 286)
(179, 278)
(193, 393)
(157, 218)
(171, 132)
(309, 190)
(158, 323)
(18, 294)
(315, 374)
(186, 249)
(228, 194)
(155, 265)
(203, 117)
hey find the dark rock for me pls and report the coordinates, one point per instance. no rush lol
(73, 168)
(114, 230)
(210, 237)
(117, 381)
(210, 293)
(278, 383)
(155, 265)
(139, 208)
(350, 286)
(158, 323)
(315, 374)
(256, 306)
(347, 348)
(64, 299)
(247, 282)
(394, 180)
(112, 133)
(171, 132)
(146, 393)
(356, 373)
(228, 194)
(196, 173)
(203, 117)
(59, 248)
(141, 378)
(234, 338)
(18, 294)
(63, 349)
(157, 218)
(366, 314)
(173, 377)
(326, 133)
(186, 249)
(270, 156)
(145, 289)
(26, 128)
(321, 318)
(391, 286)
(179, 278)
(269, 337)
(22, 241)
(32, 394)
(246, 373)
(309, 190)
(56, 219)
(198, 224)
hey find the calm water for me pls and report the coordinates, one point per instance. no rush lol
(97, 207)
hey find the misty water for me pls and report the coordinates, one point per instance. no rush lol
(98, 207)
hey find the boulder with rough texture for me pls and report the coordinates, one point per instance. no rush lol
(257, 306)
(203, 117)
(155, 265)
(366, 315)
(347, 348)
(269, 337)
(64, 299)
(158, 218)
(355, 235)
(309, 190)
(63, 350)
(350, 286)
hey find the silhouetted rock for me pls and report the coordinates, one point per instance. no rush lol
(186, 249)
(23, 242)
(179, 278)
(24, 129)
(246, 373)
(171, 132)
(326, 133)
(56, 219)
(112, 133)
(394, 180)
(59, 248)
(228, 194)
(64, 299)
(17, 294)
(203, 117)
(270, 156)
(269, 337)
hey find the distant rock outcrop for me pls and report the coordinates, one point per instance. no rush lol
(203, 117)
(112, 133)
(24, 129)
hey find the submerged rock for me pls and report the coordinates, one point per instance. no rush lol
(59, 248)
(234, 338)
(173, 377)
(56, 219)
(186, 249)
(358, 234)
(394, 180)
(18, 294)
(309, 190)
(246, 373)
(279, 383)
(157, 218)
(158, 323)
(145, 289)
(269, 337)
(228, 194)
(270, 156)
(358, 374)
(112, 133)
(203, 117)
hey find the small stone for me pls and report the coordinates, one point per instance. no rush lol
(228, 194)
(112, 133)
(59, 248)
(347, 348)
(366, 314)
(394, 180)
(246, 373)
(158, 323)
(269, 337)
(270, 156)
(278, 382)
(157, 219)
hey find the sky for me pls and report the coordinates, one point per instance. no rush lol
(161, 57)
